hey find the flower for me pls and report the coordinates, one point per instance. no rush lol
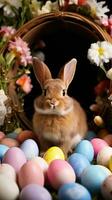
(7, 31)
(25, 82)
(107, 22)
(109, 74)
(100, 52)
(3, 109)
(97, 8)
(15, 3)
(21, 50)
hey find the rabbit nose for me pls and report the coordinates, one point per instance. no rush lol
(53, 102)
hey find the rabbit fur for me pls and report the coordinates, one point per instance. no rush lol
(58, 120)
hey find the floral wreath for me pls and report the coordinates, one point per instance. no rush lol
(18, 53)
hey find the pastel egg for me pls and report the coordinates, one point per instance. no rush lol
(2, 135)
(78, 163)
(60, 172)
(8, 171)
(108, 139)
(90, 135)
(30, 173)
(10, 142)
(92, 178)
(102, 133)
(8, 188)
(110, 163)
(34, 192)
(12, 135)
(53, 153)
(30, 148)
(85, 148)
(106, 188)
(3, 150)
(98, 145)
(104, 156)
(73, 191)
(42, 163)
(24, 135)
(14, 157)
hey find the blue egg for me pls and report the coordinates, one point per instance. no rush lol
(30, 148)
(3, 150)
(90, 135)
(79, 163)
(73, 191)
(12, 135)
(85, 148)
(92, 178)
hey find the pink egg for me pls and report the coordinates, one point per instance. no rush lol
(60, 172)
(30, 173)
(2, 135)
(42, 163)
(10, 142)
(14, 157)
(98, 145)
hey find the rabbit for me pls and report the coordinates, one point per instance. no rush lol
(58, 119)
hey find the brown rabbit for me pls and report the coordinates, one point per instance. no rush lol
(58, 119)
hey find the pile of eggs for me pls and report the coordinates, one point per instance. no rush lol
(26, 175)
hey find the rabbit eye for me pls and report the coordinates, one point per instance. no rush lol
(64, 92)
(44, 92)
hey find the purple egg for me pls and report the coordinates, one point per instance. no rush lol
(34, 191)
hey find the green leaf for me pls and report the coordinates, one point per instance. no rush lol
(2, 60)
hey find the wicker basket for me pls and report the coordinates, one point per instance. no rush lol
(51, 25)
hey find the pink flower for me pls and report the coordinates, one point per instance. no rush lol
(107, 22)
(25, 82)
(7, 31)
(21, 50)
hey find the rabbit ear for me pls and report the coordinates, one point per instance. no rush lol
(67, 72)
(41, 71)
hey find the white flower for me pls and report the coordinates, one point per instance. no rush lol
(70, 2)
(109, 74)
(100, 52)
(3, 109)
(8, 11)
(48, 7)
(3, 97)
(15, 3)
(98, 9)
(3, 112)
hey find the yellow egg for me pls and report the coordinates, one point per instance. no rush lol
(53, 153)
(98, 120)
(110, 163)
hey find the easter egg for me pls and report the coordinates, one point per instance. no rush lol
(3, 150)
(8, 188)
(90, 135)
(78, 163)
(85, 148)
(8, 171)
(98, 145)
(14, 157)
(92, 178)
(60, 172)
(106, 188)
(108, 139)
(30, 148)
(104, 156)
(2, 135)
(24, 135)
(30, 173)
(42, 163)
(34, 192)
(102, 133)
(73, 191)
(10, 142)
(53, 153)
(12, 135)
